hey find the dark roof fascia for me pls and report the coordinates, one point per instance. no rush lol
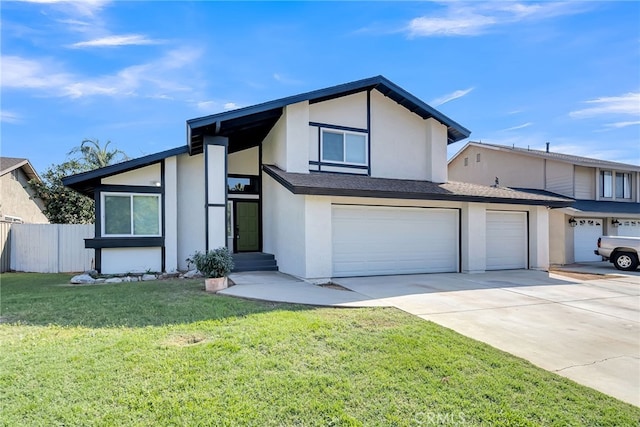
(382, 84)
(76, 181)
(318, 191)
(560, 157)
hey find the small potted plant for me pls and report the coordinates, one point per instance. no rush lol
(215, 265)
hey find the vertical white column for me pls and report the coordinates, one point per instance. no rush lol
(318, 237)
(474, 237)
(539, 238)
(170, 183)
(216, 200)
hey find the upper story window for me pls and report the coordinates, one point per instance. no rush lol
(344, 147)
(126, 214)
(606, 184)
(623, 185)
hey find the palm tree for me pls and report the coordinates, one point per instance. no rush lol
(94, 156)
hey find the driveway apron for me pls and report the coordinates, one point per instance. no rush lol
(588, 331)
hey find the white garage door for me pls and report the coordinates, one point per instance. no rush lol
(375, 240)
(629, 227)
(585, 239)
(506, 240)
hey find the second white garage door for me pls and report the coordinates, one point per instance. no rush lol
(375, 240)
(506, 240)
(585, 239)
(629, 227)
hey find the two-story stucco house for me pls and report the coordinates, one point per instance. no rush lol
(17, 201)
(344, 181)
(607, 194)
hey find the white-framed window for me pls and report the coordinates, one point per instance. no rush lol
(623, 185)
(606, 184)
(131, 214)
(338, 146)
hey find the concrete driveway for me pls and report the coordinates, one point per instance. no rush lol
(585, 330)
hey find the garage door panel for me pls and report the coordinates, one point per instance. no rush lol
(506, 240)
(370, 240)
(585, 239)
(629, 227)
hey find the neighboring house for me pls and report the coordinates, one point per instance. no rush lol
(344, 181)
(17, 201)
(607, 194)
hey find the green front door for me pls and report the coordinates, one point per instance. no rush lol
(247, 227)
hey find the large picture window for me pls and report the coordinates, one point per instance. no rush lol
(130, 214)
(344, 147)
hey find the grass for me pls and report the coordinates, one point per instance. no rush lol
(166, 353)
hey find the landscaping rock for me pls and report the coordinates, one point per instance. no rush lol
(192, 274)
(127, 279)
(171, 275)
(114, 280)
(148, 277)
(82, 279)
(100, 281)
(92, 273)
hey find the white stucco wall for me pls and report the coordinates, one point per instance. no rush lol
(318, 257)
(191, 206)
(404, 145)
(146, 176)
(216, 190)
(348, 111)
(274, 145)
(287, 144)
(244, 162)
(558, 235)
(538, 238)
(283, 222)
(131, 260)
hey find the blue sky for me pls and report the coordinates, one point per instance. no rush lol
(520, 73)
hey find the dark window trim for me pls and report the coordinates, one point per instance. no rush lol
(131, 188)
(338, 165)
(237, 175)
(338, 127)
(163, 213)
(123, 242)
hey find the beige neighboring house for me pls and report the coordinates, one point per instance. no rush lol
(17, 204)
(606, 194)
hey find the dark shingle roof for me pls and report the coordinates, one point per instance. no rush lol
(336, 184)
(607, 207)
(568, 158)
(7, 164)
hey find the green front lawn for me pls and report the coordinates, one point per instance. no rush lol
(166, 353)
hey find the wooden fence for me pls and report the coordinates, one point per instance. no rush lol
(50, 248)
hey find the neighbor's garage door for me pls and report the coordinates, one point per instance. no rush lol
(629, 227)
(585, 239)
(506, 240)
(373, 240)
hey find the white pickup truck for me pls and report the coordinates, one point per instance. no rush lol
(621, 251)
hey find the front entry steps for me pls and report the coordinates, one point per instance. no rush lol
(254, 261)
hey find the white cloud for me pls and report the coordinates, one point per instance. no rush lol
(159, 78)
(75, 7)
(9, 117)
(627, 104)
(619, 125)
(473, 18)
(231, 106)
(522, 126)
(285, 79)
(121, 40)
(211, 107)
(450, 97)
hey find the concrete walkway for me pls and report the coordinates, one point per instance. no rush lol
(586, 330)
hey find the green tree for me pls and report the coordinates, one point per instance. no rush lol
(95, 156)
(63, 205)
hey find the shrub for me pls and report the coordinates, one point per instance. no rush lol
(213, 263)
